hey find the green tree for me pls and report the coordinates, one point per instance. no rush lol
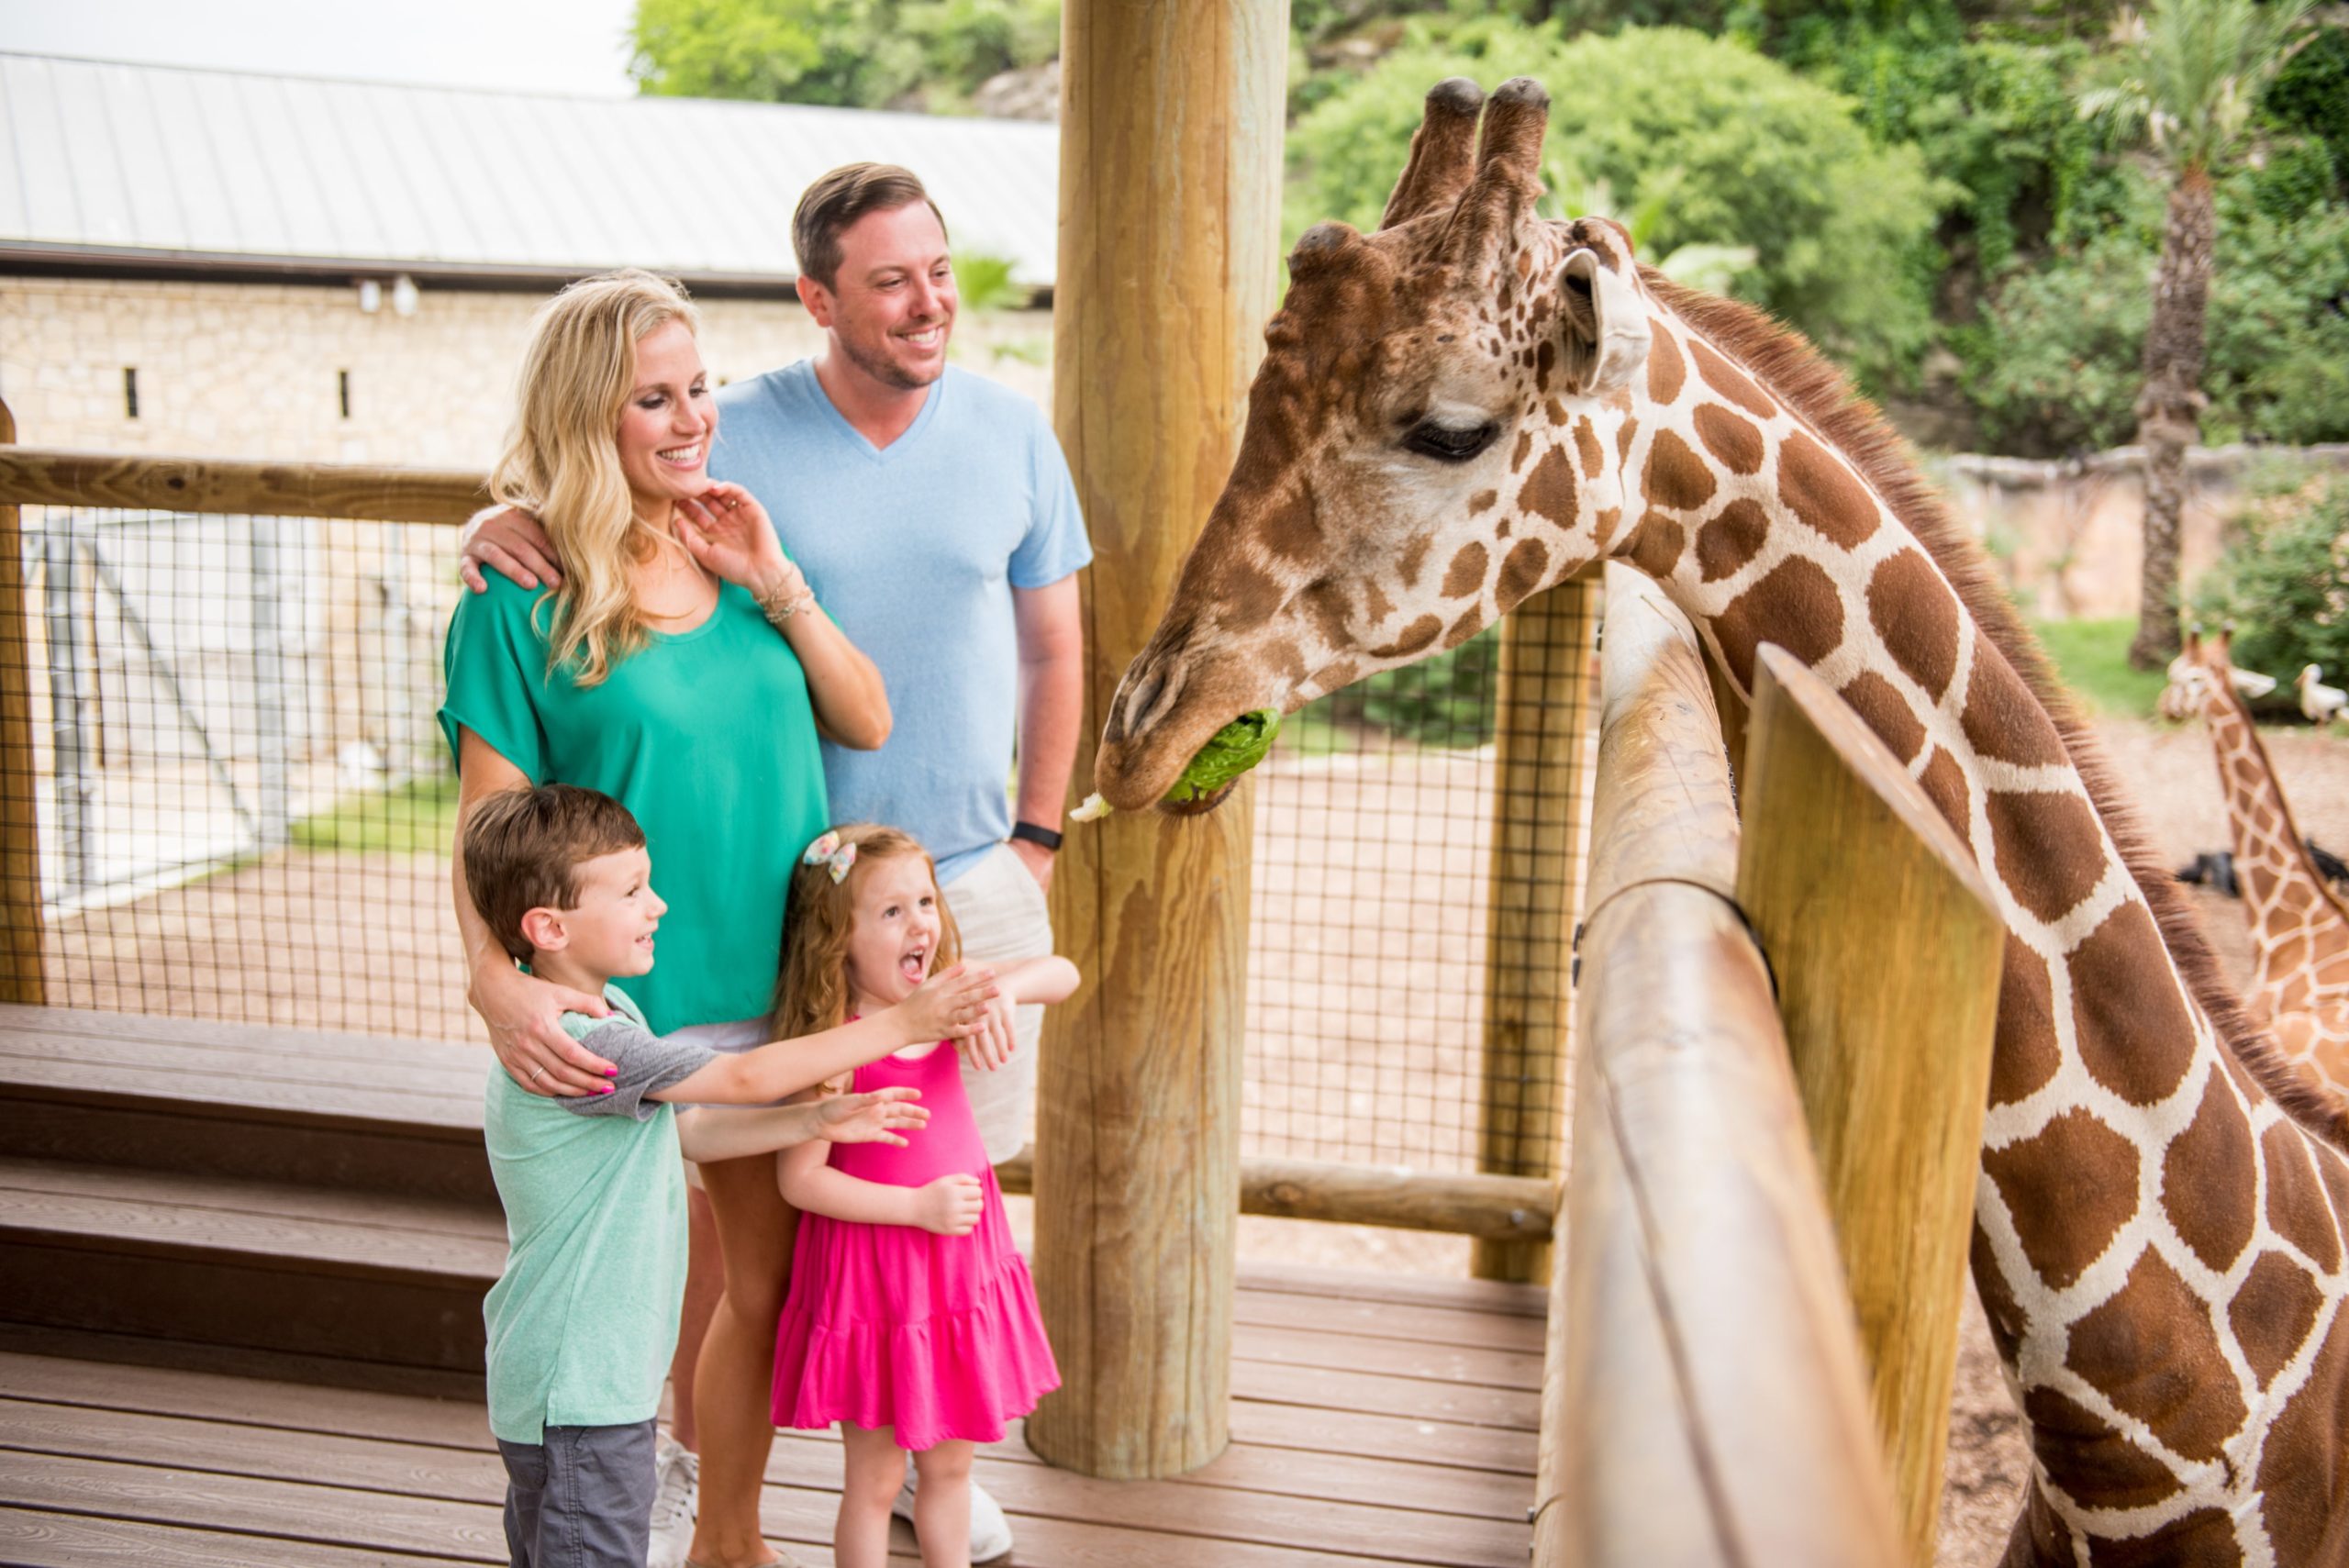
(2192, 73)
(1697, 141)
(852, 53)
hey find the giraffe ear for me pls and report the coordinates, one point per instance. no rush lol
(1604, 323)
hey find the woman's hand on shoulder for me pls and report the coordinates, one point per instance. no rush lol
(525, 1019)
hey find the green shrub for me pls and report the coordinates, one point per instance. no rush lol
(854, 53)
(1712, 143)
(2283, 581)
(2055, 364)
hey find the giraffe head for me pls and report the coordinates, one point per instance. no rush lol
(2181, 698)
(1420, 451)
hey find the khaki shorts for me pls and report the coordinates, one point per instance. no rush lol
(1004, 919)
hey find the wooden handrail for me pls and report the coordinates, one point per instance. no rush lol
(1498, 1209)
(1707, 1404)
(45, 476)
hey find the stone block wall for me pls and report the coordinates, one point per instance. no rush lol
(254, 370)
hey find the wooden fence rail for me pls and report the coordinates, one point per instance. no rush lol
(1705, 1400)
(1498, 1210)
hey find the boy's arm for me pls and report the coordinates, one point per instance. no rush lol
(725, 1133)
(712, 1133)
(945, 1006)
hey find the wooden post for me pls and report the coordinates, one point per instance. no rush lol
(1170, 124)
(21, 979)
(1887, 950)
(1543, 717)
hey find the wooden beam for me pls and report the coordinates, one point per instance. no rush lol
(37, 475)
(1887, 949)
(1710, 1407)
(1543, 721)
(1506, 1208)
(21, 977)
(1171, 126)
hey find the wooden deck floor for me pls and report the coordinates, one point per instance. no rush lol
(1376, 1420)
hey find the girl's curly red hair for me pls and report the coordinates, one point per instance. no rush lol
(811, 995)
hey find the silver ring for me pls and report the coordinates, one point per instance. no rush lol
(536, 1071)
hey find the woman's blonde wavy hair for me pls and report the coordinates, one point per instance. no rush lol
(562, 460)
(812, 995)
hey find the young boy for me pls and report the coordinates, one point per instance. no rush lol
(584, 1318)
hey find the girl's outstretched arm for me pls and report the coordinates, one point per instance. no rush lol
(946, 1207)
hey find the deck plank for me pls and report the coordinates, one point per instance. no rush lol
(81, 1540)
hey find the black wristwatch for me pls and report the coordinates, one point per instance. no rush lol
(1035, 835)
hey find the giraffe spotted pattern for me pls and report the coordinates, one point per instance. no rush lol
(2158, 1219)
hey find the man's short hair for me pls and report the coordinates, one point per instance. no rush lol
(836, 200)
(523, 849)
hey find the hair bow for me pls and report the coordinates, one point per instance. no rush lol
(828, 850)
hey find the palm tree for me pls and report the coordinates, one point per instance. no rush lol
(2193, 68)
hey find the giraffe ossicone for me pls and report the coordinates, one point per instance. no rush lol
(1456, 411)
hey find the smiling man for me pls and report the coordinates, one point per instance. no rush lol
(934, 516)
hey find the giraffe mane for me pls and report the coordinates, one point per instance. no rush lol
(1818, 393)
(2299, 846)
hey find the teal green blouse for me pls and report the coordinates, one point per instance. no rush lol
(706, 736)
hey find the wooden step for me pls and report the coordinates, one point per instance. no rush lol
(385, 1280)
(303, 1106)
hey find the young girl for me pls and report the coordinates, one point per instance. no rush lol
(911, 1320)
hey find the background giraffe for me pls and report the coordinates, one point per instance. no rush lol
(2300, 930)
(1472, 403)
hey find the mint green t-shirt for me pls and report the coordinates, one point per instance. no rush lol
(584, 1318)
(706, 736)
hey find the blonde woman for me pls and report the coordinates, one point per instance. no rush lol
(684, 667)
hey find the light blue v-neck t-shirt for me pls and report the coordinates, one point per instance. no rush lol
(914, 549)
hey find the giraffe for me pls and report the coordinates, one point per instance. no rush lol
(2300, 930)
(1472, 403)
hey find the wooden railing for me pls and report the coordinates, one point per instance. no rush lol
(1499, 1209)
(1708, 1393)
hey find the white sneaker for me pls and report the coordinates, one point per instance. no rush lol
(676, 1498)
(990, 1532)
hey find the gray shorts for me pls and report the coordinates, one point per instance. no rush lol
(582, 1498)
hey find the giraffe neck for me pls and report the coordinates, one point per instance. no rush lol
(2126, 1146)
(2299, 933)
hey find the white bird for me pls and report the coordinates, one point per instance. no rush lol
(2321, 704)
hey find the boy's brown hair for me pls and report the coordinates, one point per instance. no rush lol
(523, 849)
(836, 200)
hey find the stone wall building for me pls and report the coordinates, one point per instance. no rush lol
(216, 263)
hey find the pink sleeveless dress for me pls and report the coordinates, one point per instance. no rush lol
(893, 1325)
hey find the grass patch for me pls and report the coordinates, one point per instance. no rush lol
(417, 818)
(2092, 658)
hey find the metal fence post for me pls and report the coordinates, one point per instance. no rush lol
(70, 679)
(274, 812)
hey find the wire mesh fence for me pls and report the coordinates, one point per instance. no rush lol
(244, 810)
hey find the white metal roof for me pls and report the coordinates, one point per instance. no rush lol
(165, 164)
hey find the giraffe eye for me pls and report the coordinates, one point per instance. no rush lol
(1450, 443)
